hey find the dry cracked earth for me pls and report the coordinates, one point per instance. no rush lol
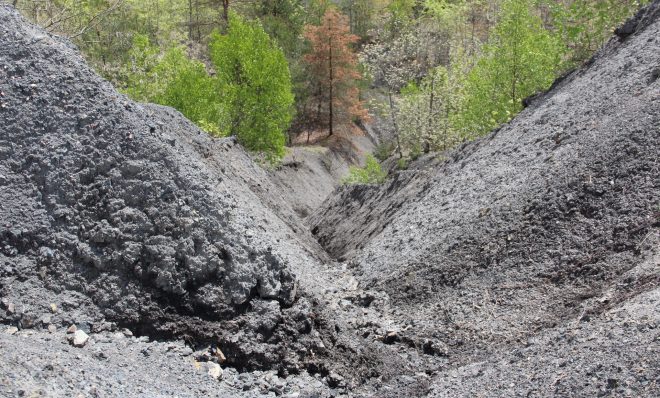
(141, 258)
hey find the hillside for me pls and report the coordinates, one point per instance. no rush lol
(530, 238)
(524, 263)
(126, 215)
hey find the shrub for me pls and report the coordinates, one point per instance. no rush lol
(384, 150)
(371, 173)
(254, 83)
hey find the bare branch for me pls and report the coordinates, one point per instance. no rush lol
(96, 19)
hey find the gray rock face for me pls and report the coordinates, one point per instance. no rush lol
(163, 229)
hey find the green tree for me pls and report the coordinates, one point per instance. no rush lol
(584, 25)
(137, 75)
(255, 85)
(428, 112)
(361, 15)
(189, 89)
(176, 80)
(521, 58)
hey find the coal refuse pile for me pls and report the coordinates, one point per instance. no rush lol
(125, 215)
(140, 257)
(527, 256)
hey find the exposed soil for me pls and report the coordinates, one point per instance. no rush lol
(527, 241)
(308, 174)
(526, 263)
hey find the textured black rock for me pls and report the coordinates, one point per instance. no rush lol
(545, 224)
(134, 215)
(522, 264)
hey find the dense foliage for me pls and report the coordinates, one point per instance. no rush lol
(371, 173)
(440, 71)
(254, 79)
(249, 96)
(452, 70)
(520, 58)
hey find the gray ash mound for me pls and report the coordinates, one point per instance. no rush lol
(529, 239)
(526, 263)
(126, 213)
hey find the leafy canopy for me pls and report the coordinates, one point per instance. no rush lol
(249, 97)
(175, 80)
(255, 85)
(521, 58)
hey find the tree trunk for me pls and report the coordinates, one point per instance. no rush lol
(330, 91)
(396, 128)
(197, 24)
(350, 18)
(225, 15)
(190, 22)
(427, 144)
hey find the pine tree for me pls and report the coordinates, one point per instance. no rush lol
(334, 65)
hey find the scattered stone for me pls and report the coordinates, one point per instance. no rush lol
(433, 347)
(11, 308)
(391, 337)
(80, 338)
(335, 380)
(52, 328)
(214, 370)
(45, 320)
(127, 333)
(71, 329)
(28, 321)
(99, 327)
(218, 354)
(12, 330)
(53, 308)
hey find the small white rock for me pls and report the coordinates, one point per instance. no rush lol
(80, 338)
(12, 330)
(215, 371)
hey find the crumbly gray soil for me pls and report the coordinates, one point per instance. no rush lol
(123, 215)
(513, 252)
(114, 365)
(126, 215)
(309, 174)
(523, 264)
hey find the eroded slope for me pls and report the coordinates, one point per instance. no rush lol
(127, 213)
(538, 226)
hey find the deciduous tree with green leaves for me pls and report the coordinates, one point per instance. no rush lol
(371, 173)
(176, 80)
(521, 58)
(254, 86)
(584, 25)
